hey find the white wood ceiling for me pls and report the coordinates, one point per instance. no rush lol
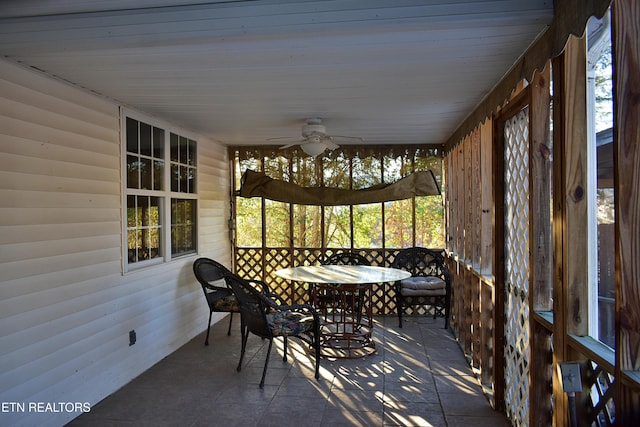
(390, 71)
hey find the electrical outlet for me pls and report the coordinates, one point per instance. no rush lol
(132, 337)
(571, 381)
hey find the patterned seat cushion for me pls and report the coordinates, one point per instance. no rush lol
(289, 322)
(225, 303)
(423, 286)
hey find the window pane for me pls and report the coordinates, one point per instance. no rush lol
(143, 211)
(158, 176)
(131, 211)
(132, 135)
(183, 179)
(602, 202)
(158, 143)
(183, 219)
(145, 174)
(145, 139)
(191, 153)
(143, 228)
(184, 145)
(175, 177)
(173, 141)
(191, 180)
(133, 172)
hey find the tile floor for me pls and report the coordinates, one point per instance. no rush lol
(417, 377)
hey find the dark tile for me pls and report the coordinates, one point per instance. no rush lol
(417, 376)
(468, 404)
(462, 421)
(413, 414)
(352, 418)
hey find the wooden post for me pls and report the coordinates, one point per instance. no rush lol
(498, 263)
(626, 28)
(541, 266)
(468, 200)
(540, 263)
(570, 292)
(486, 158)
(575, 186)
(486, 330)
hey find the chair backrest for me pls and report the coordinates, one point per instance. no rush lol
(207, 271)
(346, 258)
(253, 305)
(422, 262)
(210, 274)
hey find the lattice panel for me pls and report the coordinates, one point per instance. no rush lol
(517, 352)
(248, 264)
(602, 410)
(261, 264)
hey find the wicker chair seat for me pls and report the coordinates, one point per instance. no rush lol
(429, 284)
(423, 286)
(289, 323)
(226, 303)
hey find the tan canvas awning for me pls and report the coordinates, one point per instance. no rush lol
(257, 184)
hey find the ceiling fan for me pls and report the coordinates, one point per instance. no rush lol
(315, 139)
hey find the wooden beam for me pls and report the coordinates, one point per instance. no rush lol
(486, 159)
(626, 28)
(559, 314)
(541, 260)
(477, 199)
(541, 266)
(498, 263)
(574, 131)
(570, 275)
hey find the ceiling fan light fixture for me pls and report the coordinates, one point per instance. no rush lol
(313, 148)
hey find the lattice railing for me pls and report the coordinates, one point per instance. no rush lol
(258, 263)
(517, 351)
(602, 409)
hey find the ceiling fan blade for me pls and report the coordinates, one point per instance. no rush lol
(302, 141)
(351, 138)
(330, 144)
(287, 146)
(282, 138)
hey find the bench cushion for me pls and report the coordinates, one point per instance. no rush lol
(423, 286)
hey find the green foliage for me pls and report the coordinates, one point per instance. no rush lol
(360, 226)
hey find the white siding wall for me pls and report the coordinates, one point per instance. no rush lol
(65, 307)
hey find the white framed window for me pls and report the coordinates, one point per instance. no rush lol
(601, 213)
(160, 192)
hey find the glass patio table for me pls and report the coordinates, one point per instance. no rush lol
(342, 295)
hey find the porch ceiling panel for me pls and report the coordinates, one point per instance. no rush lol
(390, 71)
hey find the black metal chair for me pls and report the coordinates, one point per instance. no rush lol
(343, 258)
(264, 315)
(429, 284)
(210, 274)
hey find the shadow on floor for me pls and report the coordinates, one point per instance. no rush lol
(417, 377)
